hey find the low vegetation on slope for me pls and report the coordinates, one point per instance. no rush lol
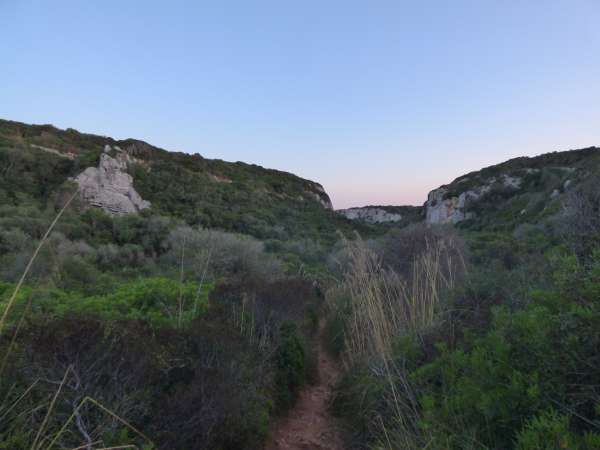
(237, 197)
(148, 333)
(192, 324)
(522, 190)
(492, 343)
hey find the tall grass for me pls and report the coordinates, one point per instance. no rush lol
(384, 304)
(381, 306)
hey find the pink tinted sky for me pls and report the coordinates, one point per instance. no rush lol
(378, 101)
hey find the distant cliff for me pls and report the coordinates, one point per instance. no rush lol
(521, 190)
(396, 215)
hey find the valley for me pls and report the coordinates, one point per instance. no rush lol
(162, 300)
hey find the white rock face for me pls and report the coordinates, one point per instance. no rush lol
(370, 215)
(440, 210)
(109, 186)
(320, 195)
(449, 210)
(513, 182)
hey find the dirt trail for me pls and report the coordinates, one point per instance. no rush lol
(309, 426)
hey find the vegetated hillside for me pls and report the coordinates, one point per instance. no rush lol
(500, 197)
(189, 324)
(175, 328)
(37, 160)
(470, 323)
(521, 190)
(479, 329)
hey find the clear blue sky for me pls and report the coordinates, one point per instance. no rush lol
(380, 101)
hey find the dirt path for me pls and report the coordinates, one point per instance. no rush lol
(309, 426)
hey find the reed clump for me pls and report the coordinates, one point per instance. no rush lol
(379, 306)
(383, 304)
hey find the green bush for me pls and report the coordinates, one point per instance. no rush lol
(505, 356)
(290, 362)
(548, 431)
(160, 301)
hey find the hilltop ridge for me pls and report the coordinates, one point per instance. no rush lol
(269, 203)
(238, 196)
(523, 189)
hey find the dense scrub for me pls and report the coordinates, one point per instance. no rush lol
(191, 325)
(510, 359)
(211, 380)
(143, 330)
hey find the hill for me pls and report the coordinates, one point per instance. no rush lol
(499, 197)
(37, 160)
(189, 303)
(521, 190)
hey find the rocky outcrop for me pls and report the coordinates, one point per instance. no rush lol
(442, 208)
(370, 214)
(109, 186)
(318, 193)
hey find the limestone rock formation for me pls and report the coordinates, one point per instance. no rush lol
(109, 186)
(319, 194)
(370, 215)
(442, 208)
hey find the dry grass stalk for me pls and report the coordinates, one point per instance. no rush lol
(122, 447)
(107, 411)
(12, 299)
(13, 340)
(202, 278)
(384, 305)
(180, 300)
(34, 445)
(37, 443)
(18, 400)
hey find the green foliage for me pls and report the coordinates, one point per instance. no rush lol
(235, 197)
(548, 431)
(290, 375)
(513, 364)
(552, 431)
(156, 300)
(336, 326)
(530, 360)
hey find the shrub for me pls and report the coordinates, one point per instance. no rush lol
(221, 254)
(548, 431)
(290, 374)
(200, 388)
(160, 301)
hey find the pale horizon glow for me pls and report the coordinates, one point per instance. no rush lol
(380, 102)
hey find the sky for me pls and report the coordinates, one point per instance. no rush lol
(379, 101)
